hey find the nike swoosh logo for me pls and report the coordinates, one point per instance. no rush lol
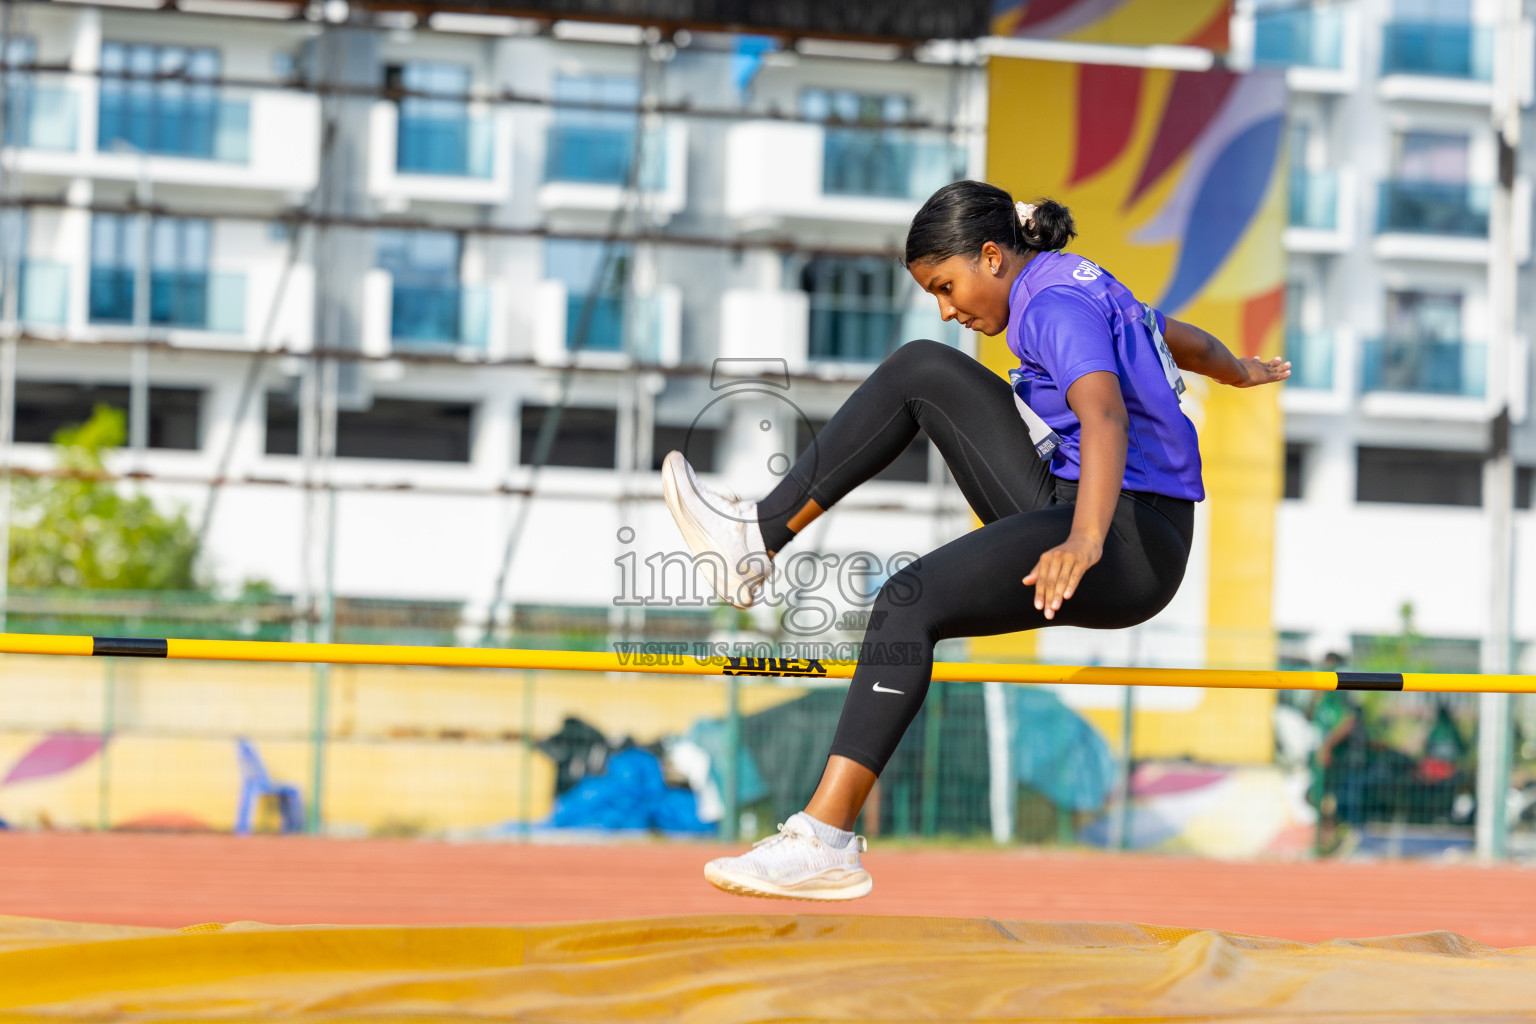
(887, 689)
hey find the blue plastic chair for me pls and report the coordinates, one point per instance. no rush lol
(256, 783)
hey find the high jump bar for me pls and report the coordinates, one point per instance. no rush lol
(796, 668)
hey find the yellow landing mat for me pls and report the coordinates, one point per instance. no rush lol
(733, 969)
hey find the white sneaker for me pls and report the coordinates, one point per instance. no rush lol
(717, 525)
(794, 865)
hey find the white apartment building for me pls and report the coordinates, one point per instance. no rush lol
(201, 201)
(1393, 163)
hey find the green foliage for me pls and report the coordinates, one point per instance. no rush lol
(79, 532)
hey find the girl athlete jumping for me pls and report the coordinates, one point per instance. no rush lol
(1084, 474)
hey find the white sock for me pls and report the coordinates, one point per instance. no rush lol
(834, 837)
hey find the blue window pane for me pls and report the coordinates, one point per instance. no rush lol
(433, 144)
(1314, 199)
(850, 332)
(1441, 48)
(19, 50)
(434, 134)
(595, 154)
(871, 162)
(590, 145)
(164, 100)
(425, 258)
(426, 314)
(1434, 208)
(178, 298)
(44, 292)
(601, 316)
(1309, 38)
(111, 295)
(1423, 367)
(1311, 357)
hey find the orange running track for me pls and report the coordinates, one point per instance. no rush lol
(177, 880)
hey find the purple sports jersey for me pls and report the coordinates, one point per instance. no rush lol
(1068, 317)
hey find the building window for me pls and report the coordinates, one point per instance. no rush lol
(13, 239)
(1430, 191)
(178, 269)
(426, 303)
(1296, 459)
(282, 425)
(910, 467)
(1422, 350)
(1431, 156)
(596, 146)
(179, 251)
(161, 99)
(597, 303)
(701, 446)
(1410, 476)
(861, 155)
(1285, 34)
(857, 308)
(434, 135)
(116, 250)
(867, 151)
(43, 408)
(1433, 317)
(585, 438)
(390, 428)
(1436, 37)
(19, 52)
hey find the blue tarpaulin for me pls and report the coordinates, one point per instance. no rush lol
(1056, 752)
(630, 794)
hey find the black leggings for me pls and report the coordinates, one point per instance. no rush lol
(970, 586)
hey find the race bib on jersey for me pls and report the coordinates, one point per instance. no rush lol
(1170, 368)
(1045, 440)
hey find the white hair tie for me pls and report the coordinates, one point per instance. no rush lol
(1026, 212)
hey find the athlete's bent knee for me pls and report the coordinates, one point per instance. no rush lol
(921, 350)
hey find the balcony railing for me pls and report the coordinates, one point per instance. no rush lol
(41, 117)
(450, 315)
(1442, 49)
(163, 123)
(605, 329)
(459, 146)
(1311, 357)
(189, 299)
(601, 155)
(1307, 38)
(1424, 367)
(869, 162)
(1314, 199)
(1434, 208)
(43, 292)
(198, 300)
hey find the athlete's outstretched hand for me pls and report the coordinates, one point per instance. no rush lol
(1056, 575)
(1258, 371)
(1202, 352)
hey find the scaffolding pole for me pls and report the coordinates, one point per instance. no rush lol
(1493, 745)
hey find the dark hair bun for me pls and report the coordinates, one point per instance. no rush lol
(961, 217)
(1050, 227)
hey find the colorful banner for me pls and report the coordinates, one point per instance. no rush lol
(1175, 181)
(1200, 23)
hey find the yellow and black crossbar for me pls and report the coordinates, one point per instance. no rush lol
(669, 662)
